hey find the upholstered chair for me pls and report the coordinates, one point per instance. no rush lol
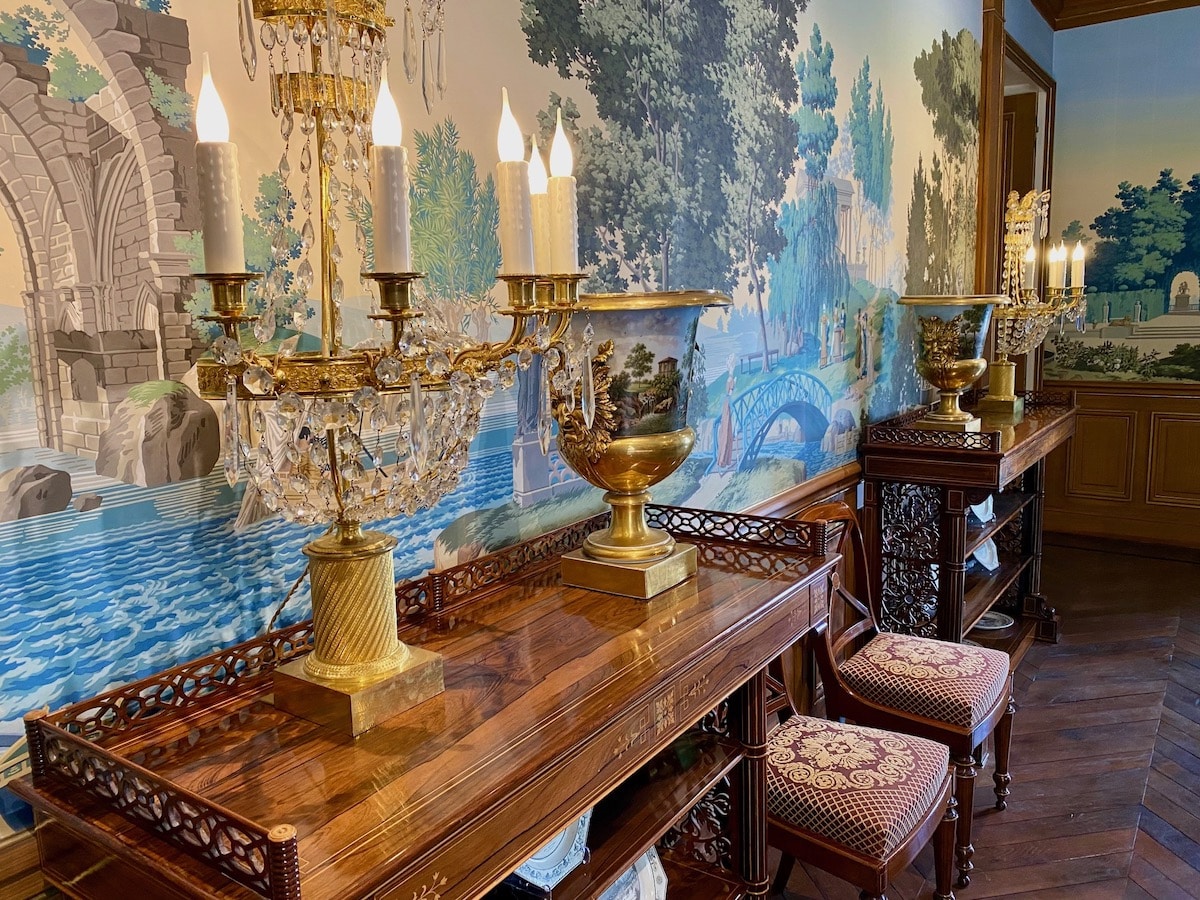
(955, 694)
(858, 802)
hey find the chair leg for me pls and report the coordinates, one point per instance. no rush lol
(943, 852)
(964, 793)
(783, 874)
(1003, 745)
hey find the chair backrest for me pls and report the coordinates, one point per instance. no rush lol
(851, 621)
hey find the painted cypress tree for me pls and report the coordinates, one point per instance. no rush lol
(811, 270)
(760, 86)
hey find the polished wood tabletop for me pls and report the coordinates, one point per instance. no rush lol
(554, 696)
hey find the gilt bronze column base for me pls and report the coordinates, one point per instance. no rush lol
(641, 580)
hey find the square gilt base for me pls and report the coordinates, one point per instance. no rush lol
(355, 707)
(641, 580)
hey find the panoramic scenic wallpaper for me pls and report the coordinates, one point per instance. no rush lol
(813, 159)
(1127, 184)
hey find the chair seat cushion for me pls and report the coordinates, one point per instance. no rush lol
(862, 788)
(953, 683)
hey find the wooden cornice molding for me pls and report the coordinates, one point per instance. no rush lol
(1077, 13)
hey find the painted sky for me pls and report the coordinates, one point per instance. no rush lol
(1126, 109)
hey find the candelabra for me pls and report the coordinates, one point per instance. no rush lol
(1023, 324)
(344, 436)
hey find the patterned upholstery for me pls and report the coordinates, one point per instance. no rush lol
(862, 788)
(954, 683)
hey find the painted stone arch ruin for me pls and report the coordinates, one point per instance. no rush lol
(98, 195)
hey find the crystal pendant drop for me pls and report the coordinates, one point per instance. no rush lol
(304, 278)
(273, 83)
(587, 398)
(441, 62)
(544, 416)
(410, 44)
(420, 432)
(232, 433)
(427, 75)
(246, 38)
(264, 325)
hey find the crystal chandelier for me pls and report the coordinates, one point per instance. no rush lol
(1023, 324)
(345, 436)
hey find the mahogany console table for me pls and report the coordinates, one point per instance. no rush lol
(191, 784)
(919, 536)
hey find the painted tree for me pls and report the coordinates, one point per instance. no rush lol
(949, 74)
(1140, 237)
(872, 144)
(454, 220)
(811, 270)
(42, 31)
(760, 86)
(916, 278)
(650, 180)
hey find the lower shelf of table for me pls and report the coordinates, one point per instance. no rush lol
(1014, 640)
(637, 813)
(696, 881)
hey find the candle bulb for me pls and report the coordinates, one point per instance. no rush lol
(540, 207)
(389, 189)
(564, 205)
(1030, 279)
(1077, 265)
(1056, 268)
(217, 175)
(512, 190)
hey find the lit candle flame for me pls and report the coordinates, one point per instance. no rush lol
(1078, 252)
(386, 129)
(1030, 256)
(509, 142)
(538, 182)
(561, 159)
(212, 124)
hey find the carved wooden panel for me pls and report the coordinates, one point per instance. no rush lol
(1102, 455)
(1174, 453)
(1130, 473)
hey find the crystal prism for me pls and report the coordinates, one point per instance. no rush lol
(246, 38)
(410, 44)
(587, 398)
(441, 62)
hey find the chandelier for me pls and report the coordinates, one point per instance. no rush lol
(347, 435)
(1023, 323)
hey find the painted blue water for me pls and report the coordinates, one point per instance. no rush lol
(158, 576)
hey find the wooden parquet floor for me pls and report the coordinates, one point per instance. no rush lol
(1105, 801)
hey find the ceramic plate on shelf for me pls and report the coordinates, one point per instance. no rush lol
(984, 511)
(987, 555)
(994, 621)
(644, 880)
(559, 857)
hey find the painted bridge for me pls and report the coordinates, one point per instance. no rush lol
(801, 396)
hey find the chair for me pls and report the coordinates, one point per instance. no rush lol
(858, 802)
(955, 694)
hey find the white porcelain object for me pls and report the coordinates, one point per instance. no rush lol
(987, 555)
(984, 511)
(993, 621)
(559, 857)
(644, 880)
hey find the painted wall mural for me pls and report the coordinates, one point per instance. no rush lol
(814, 159)
(1127, 184)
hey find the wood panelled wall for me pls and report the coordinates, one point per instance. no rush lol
(1075, 13)
(1132, 471)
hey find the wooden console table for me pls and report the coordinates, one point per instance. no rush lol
(919, 536)
(191, 784)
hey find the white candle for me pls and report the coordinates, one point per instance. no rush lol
(512, 190)
(564, 206)
(1056, 270)
(1077, 265)
(1030, 280)
(540, 200)
(389, 188)
(217, 174)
